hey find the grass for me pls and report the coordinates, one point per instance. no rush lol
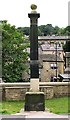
(55, 105)
(11, 107)
(58, 105)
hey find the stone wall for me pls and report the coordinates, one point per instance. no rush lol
(47, 72)
(16, 91)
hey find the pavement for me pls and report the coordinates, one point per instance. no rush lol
(41, 114)
(32, 115)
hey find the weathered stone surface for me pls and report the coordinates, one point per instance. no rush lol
(48, 91)
(34, 101)
(34, 85)
(61, 91)
(15, 93)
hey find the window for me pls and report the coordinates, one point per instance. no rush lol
(53, 66)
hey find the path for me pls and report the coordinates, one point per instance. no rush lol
(33, 115)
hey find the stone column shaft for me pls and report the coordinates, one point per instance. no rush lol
(34, 66)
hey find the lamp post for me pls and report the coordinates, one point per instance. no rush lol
(56, 61)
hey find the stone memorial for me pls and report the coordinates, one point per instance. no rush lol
(34, 100)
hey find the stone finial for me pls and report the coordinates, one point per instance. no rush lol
(33, 7)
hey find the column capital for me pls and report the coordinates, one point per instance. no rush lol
(33, 15)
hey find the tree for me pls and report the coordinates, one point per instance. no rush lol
(48, 29)
(41, 28)
(39, 32)
(24, 30)
(66, 47)
(13, 57)
(67, 30)
(56, 30)
(61, 31)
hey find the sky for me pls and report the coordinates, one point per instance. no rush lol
(53, 12)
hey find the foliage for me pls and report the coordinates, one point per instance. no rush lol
(67, 30)
(56, 30)
(13, 57)
(47, 30)
(66, 47)
(0, 50)
(24, 30)
(41, 28)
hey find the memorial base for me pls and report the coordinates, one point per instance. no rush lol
(34, 101)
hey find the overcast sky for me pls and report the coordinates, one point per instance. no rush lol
(53, 12)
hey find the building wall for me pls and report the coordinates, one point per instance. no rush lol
(59, 53)
(53, 41)
(47, 72)
(67, 55)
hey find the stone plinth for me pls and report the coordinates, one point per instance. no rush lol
(34, 85)
(34, 101)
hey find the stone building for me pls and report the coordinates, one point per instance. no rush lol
(67, 59)
(53, 38)
(49, 64)
(49, 67)
(66, 75)
(51, 49)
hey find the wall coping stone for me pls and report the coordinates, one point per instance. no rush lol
(46, 86)
(27, 87)
(34, 93)
(16, 87)
(40, 84)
